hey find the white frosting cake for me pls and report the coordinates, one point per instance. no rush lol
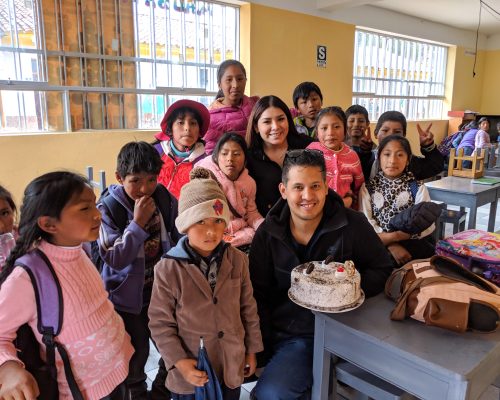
(326, 286)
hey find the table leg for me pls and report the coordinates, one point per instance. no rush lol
(321, 363)
(493, 214)
(472, 217)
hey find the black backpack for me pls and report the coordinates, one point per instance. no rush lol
(49, 304)
(166, 203)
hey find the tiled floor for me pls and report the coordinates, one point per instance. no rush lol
(492, 393)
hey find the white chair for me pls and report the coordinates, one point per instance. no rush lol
(101, 184)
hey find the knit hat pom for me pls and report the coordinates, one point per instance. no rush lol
(199, 173)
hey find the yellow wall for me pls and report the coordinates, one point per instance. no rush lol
(25, 157)
(490, 101)
(467, 90)
(283, 54)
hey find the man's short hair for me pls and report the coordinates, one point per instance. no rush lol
(303, 158)
(136, 158)
(304, 90)
(357, 109)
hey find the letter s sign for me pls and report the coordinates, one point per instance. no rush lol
(321, 56)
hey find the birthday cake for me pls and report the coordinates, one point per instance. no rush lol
(326, 286)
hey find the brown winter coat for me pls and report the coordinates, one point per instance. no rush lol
(183, 308)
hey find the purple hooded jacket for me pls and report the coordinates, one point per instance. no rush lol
(227, 119)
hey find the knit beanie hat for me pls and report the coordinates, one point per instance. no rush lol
(201, 198)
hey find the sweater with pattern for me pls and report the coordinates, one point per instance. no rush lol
(93, 334)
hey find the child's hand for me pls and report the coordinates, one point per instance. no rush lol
(366, 143)
(348, 199)
(250, 365)
(426, 137)
(16, 382)
(399, 253)
(187, 367)
(144, 209)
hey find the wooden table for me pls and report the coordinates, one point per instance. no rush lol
(463, 193)
(428, 362)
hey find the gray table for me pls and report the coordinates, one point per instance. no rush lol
(462, 192)
(427, 362)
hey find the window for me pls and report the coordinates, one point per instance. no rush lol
(394, 73)
(108, 64)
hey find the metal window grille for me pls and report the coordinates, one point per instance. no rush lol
(88, 76)
(395, 73)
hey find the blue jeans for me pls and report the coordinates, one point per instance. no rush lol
(288, 375)
(467, 152)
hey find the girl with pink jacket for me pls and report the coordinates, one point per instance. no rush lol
(231, 109)
(228, 165)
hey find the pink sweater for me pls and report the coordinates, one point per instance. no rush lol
(343, 169)
(92, 332)
(241, 194)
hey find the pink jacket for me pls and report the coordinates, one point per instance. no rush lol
(227, 119)
(343, 170)
(241, 195)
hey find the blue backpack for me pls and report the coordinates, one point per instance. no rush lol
(49, 304)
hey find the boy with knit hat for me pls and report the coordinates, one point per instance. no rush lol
(202, 288)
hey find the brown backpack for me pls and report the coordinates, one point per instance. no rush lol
(440, 292)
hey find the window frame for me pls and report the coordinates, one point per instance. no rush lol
(391, 82)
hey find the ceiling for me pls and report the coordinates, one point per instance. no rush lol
(462, 14)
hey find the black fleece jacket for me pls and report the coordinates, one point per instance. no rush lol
(344, 233)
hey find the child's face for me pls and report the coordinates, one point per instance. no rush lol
(356, 125)
(311, 106)
(393, 159)
(233, 84)
(205, 235)
(185, 132)
(330, 130)
(6, 217)
(138, 185)
(79, 221)
(231, 159)
(485, 126)
(273, 126)
(390, 128)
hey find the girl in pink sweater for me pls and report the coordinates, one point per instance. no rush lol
(343, 168)
(228, 165)
(59, 214)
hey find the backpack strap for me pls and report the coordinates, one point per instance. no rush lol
(117, 211)
(167, 205)
(48, 295)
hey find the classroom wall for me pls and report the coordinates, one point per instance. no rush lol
(282, 53)
(24, 157)
(467, 89)
(490, 99)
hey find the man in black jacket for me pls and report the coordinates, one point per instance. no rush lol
(308, 223)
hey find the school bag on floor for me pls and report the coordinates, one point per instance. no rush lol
(440, 292)
(49, 304)
(476, 250)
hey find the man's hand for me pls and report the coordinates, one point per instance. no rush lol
(399, 253)
(426, 136)
(250, 365)
(187, 367)
(16, 383)
(366, 143)
(144, 209)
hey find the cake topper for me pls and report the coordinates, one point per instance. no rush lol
(309, 268)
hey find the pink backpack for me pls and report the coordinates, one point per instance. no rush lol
(476, 250)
